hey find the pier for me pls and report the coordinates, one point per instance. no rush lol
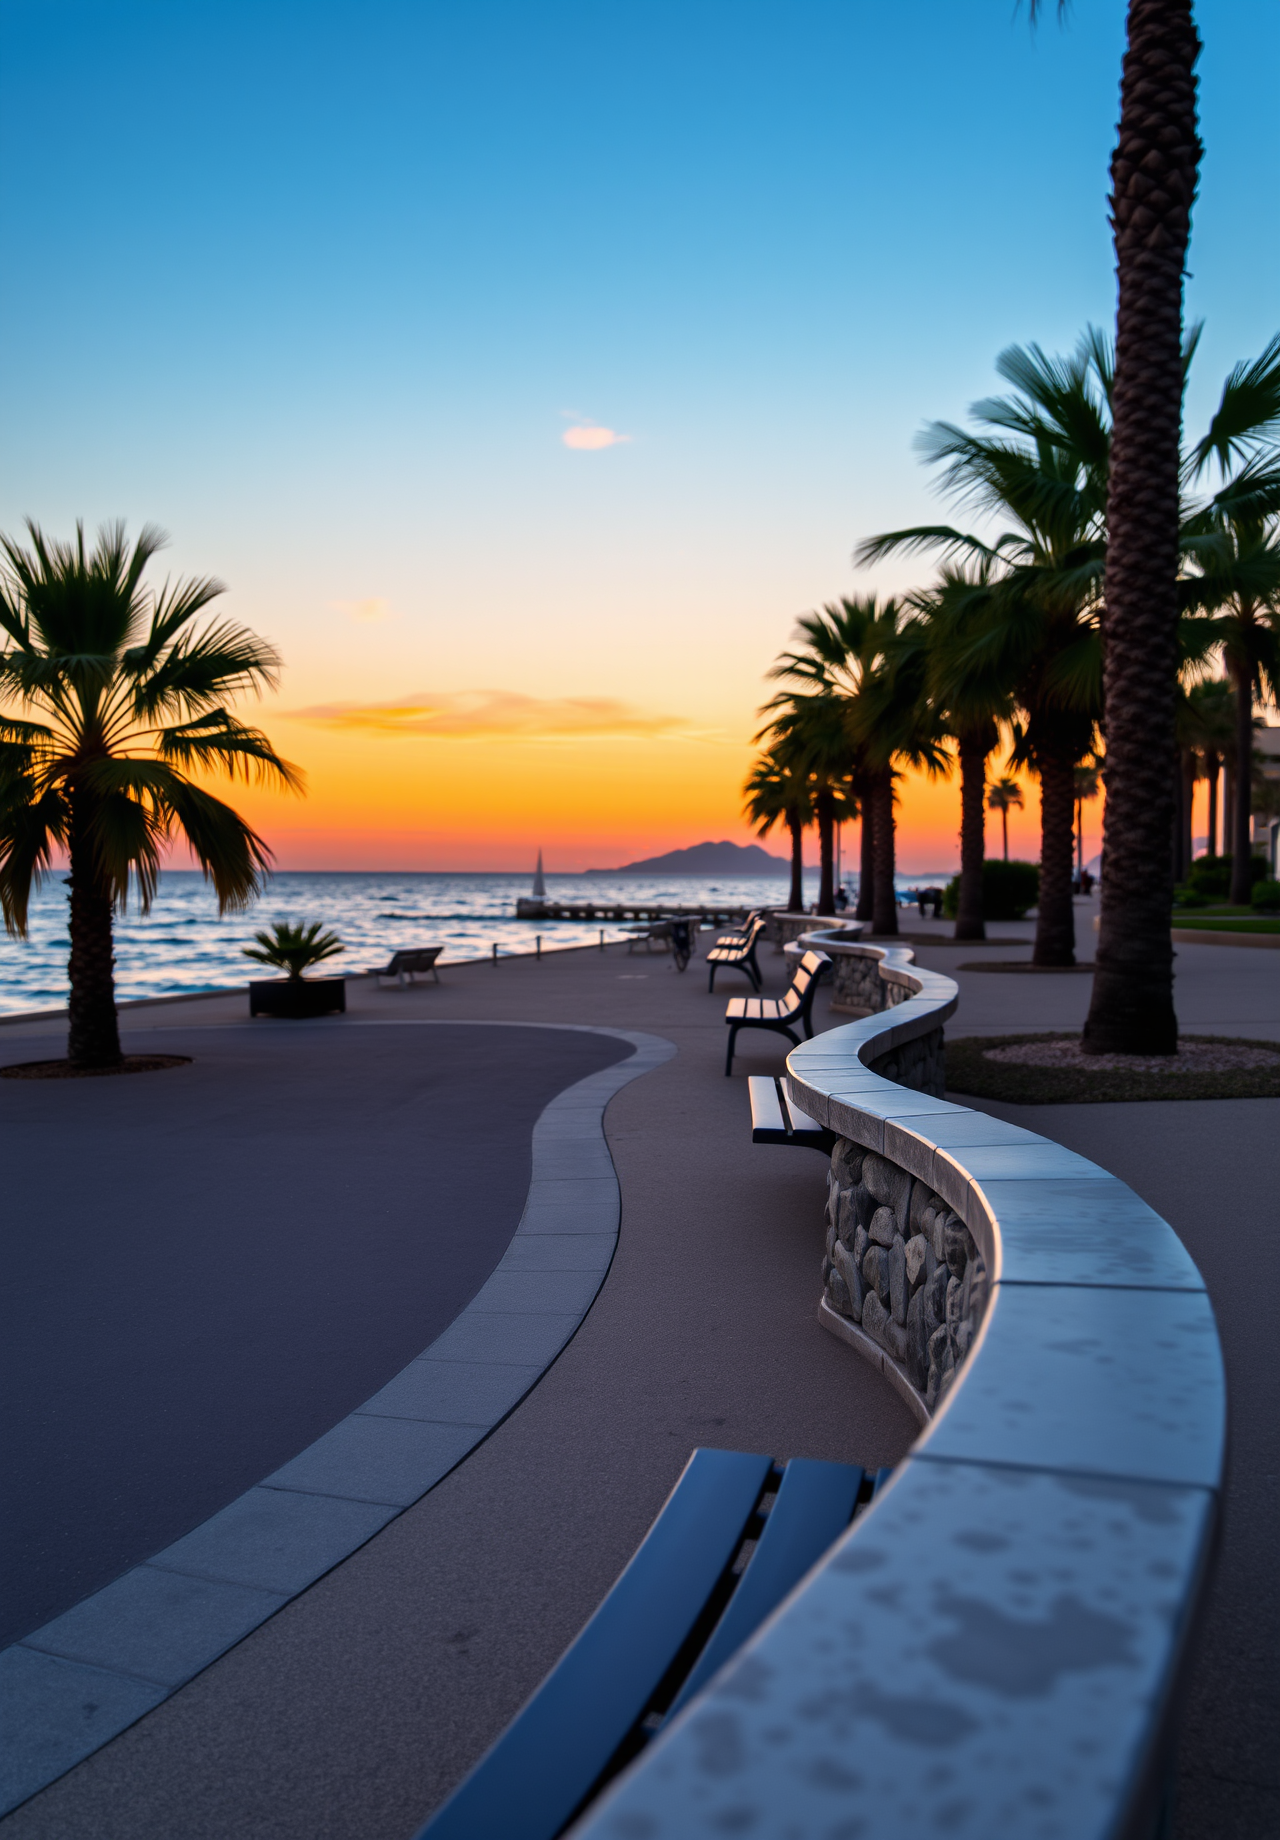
(529, 907)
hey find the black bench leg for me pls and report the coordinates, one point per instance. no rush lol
(728, 1059)
(711, 982)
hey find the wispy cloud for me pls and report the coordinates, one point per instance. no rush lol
(588, 436)
(365, 613)
(482, 715)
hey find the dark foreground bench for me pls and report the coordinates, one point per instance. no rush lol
(775, 1120)
(737, 952)
(736, 1535)
(415, 963)
(783, 1015)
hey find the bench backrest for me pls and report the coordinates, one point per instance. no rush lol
(424, 956)
(800, 991)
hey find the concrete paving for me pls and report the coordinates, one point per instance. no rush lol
(356, 1707)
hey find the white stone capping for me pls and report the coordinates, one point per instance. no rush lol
(996, 1646)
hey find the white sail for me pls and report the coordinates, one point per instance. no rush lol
(539, 885)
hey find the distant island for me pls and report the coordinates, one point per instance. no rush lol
(705, 859)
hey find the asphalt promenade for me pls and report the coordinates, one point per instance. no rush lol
(355, 1708)
(230, 1257)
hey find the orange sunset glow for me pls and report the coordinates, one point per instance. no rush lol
(385, 792)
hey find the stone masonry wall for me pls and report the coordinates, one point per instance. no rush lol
(901, 1263)
(919, 1064)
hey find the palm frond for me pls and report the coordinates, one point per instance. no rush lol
(220, 742)
(1248, 413)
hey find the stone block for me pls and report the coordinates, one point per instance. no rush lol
(861, 1240)
(875, 1272)
(884, 1226)
(878, 1175)
(953, 1311)
(935, 1301)
(864, 1204)
(875, 1317)
(838, 1294)
(917, 1252)
(844, 1264)
(846, 1163)
(846, 1215)
(922, 1199)
(899, 1290)
(938, 1235)
(956, 1244)
(917, 1343)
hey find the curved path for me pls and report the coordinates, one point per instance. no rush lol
(209, 1267)
(166, 1355)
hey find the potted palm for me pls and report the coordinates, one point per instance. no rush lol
(293, 950)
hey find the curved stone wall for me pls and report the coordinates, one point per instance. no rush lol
(995, 1647)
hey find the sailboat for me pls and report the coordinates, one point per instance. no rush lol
(539, 883)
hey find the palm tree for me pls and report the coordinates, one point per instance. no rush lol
(1038, 461)
(777, 789)
(1234, 539)
(1088, 784)
(293, 949)
(1154, 174)
(895, 723)
(118, 697)
(969, 707)
(1210, 725)
(1005, 796)
(833, 652)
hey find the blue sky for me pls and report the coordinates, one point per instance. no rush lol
(321, 289)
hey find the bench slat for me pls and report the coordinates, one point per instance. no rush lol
(546, 1761)
(813, 1507)
(768, 1122)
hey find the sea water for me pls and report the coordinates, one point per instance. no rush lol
(182, 945)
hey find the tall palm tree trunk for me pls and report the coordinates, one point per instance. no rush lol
(1004, 826)
(823, 803)
(884, 911)
(1213, 770)
(1242, 804)
(1153, 172)
(973, 786)
(1056, 925)
(1187, 840)
(1179, 818)
(867, 864)
(795, 899)
(93, 1036)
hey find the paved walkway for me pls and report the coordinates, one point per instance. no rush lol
(355, 1708)
(207, 1268)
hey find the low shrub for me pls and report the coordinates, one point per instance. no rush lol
(1266, 895)
(1008, 890)
(1210, 876)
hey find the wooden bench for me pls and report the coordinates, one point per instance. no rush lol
(783, 1015)
(775, 1120)
(736, 1535)
(737, 952)
(415, 963)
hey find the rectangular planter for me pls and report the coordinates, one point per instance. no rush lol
(295, 998)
